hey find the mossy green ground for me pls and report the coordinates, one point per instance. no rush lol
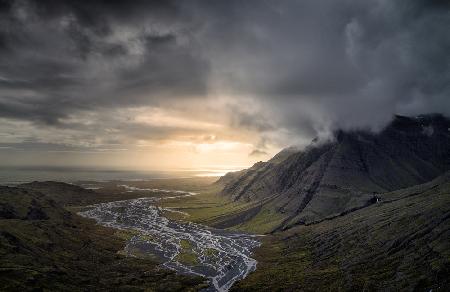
(45, 248)
(400, 244)
(125, 234)
(187, 257)
(185, 244)
(210, 208)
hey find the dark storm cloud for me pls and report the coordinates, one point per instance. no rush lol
(337, 64)
(308, 66)
(60, 57)
(37, 146)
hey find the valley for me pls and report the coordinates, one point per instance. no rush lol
(188, 248)
(351, 215)
(225, 146)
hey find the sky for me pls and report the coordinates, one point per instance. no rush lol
(162, 85)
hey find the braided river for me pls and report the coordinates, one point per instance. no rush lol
(223, 257)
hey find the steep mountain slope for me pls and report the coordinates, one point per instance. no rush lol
(43, 247)
(400, 243)
(336, 177)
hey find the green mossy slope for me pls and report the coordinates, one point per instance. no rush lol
(400, 243)
(43, 247)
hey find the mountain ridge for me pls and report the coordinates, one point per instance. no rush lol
(334, 177)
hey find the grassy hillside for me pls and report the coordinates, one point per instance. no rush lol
(400, 243)
(45, 247)
(218, 211)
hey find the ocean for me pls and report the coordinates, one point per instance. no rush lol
(18, 175)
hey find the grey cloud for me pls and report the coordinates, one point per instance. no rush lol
(310, 67)
(75, 56)
(36, 145)
(248, 118)
(338, 64)
(258, 153)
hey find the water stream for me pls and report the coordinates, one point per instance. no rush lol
(221, 256)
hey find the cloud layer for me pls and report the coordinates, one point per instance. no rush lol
(105, 74)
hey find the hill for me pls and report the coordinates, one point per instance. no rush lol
(65, 194)
(45, 247)
(398, 244)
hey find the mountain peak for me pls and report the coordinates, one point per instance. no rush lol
(327, 179)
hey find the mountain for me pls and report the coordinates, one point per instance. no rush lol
(44, 247)
(345, 174)
(400, 243)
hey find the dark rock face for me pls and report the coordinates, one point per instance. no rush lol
(332, 178)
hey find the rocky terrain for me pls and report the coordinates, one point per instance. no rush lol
(348, 173)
